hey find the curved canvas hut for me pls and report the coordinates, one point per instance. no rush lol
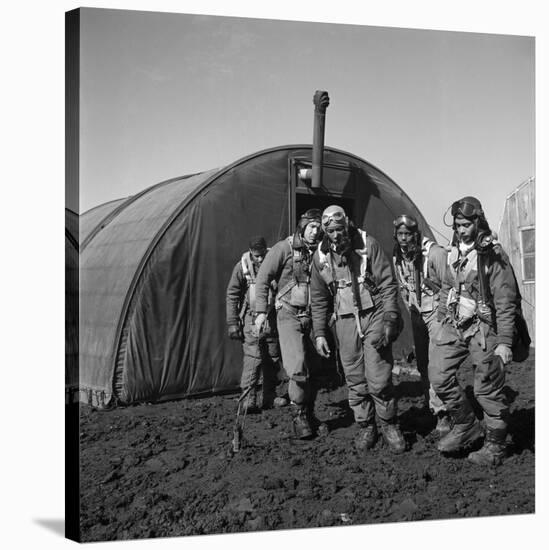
(71, 302)
(154, 267)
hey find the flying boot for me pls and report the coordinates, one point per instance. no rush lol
(492, 452)
(280, 401)
(466, 430)
(269, 396)
(269, 388)
(444, 424)
(302, 426)
(393, 437)
(271, 400)
(319, 427)
(367, 435)
(250, 403)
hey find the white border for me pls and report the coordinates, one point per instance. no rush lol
(33, 345)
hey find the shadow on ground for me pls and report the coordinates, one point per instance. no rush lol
(56, 526)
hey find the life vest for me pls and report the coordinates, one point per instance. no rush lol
(462, 301)
(426, 245)
(248, 270)
(348, 300)
(298, 287)
(407, 276)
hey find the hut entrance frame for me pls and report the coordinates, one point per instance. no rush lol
(339, 187)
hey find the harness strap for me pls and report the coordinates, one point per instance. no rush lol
(247, 268)
(416, 287)
(286, 288)
(327, 263)
(355, 293)
(425, 248)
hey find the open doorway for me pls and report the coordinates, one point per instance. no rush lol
(304, 202)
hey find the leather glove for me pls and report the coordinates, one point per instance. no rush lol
(505, 352)
(259, 324)
(392, 326)
(235, 332)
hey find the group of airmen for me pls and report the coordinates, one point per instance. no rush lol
(330, 289)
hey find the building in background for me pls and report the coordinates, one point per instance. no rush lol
(154, 267)
(517, 234)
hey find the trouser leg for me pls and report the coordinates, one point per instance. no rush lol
(449, 352)
(270, 364)
(433, 327)
(420, 333)
(292, 348)
(424, 328)
(351, 354)
(489, 380)
(378, 364)
(251, 363)
(250, 373)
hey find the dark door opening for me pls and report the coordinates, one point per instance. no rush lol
(304, 202)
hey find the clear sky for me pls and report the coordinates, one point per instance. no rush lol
(445, 114)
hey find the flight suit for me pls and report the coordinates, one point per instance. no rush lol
(466, 333)
(423, 311)
(288, 264)
(261, 354)
(366, 362)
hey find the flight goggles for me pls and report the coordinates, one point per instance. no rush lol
(337, 216)
(408, 221)
(466, 209)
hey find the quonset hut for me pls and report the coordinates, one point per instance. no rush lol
(71, 303)
(517, 234)
(154, 267)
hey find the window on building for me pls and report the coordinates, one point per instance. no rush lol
(528, 252)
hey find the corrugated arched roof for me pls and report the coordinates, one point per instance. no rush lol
(166, 254)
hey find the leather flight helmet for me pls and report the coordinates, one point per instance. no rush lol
(333, 216)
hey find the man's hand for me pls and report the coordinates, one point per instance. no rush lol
(504, 351)
(235, 332)
(258, 324)
(322, 346)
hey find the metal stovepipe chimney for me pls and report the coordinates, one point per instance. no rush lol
(321, 102)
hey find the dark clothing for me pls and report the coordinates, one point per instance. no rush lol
(281, 265)
(288, 264)
(368, 370)
(464, 334)
(261, 355)
(451, 349)
(380, 273)
(423, 311)
(361, 279)
(299, 356)
(462, 272)
(433, 267)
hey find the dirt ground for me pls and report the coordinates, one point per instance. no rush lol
(164, 470)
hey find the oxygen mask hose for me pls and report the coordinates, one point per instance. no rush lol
(238, 429)
(237, 439)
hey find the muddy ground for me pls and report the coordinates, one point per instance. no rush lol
(163, 470)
